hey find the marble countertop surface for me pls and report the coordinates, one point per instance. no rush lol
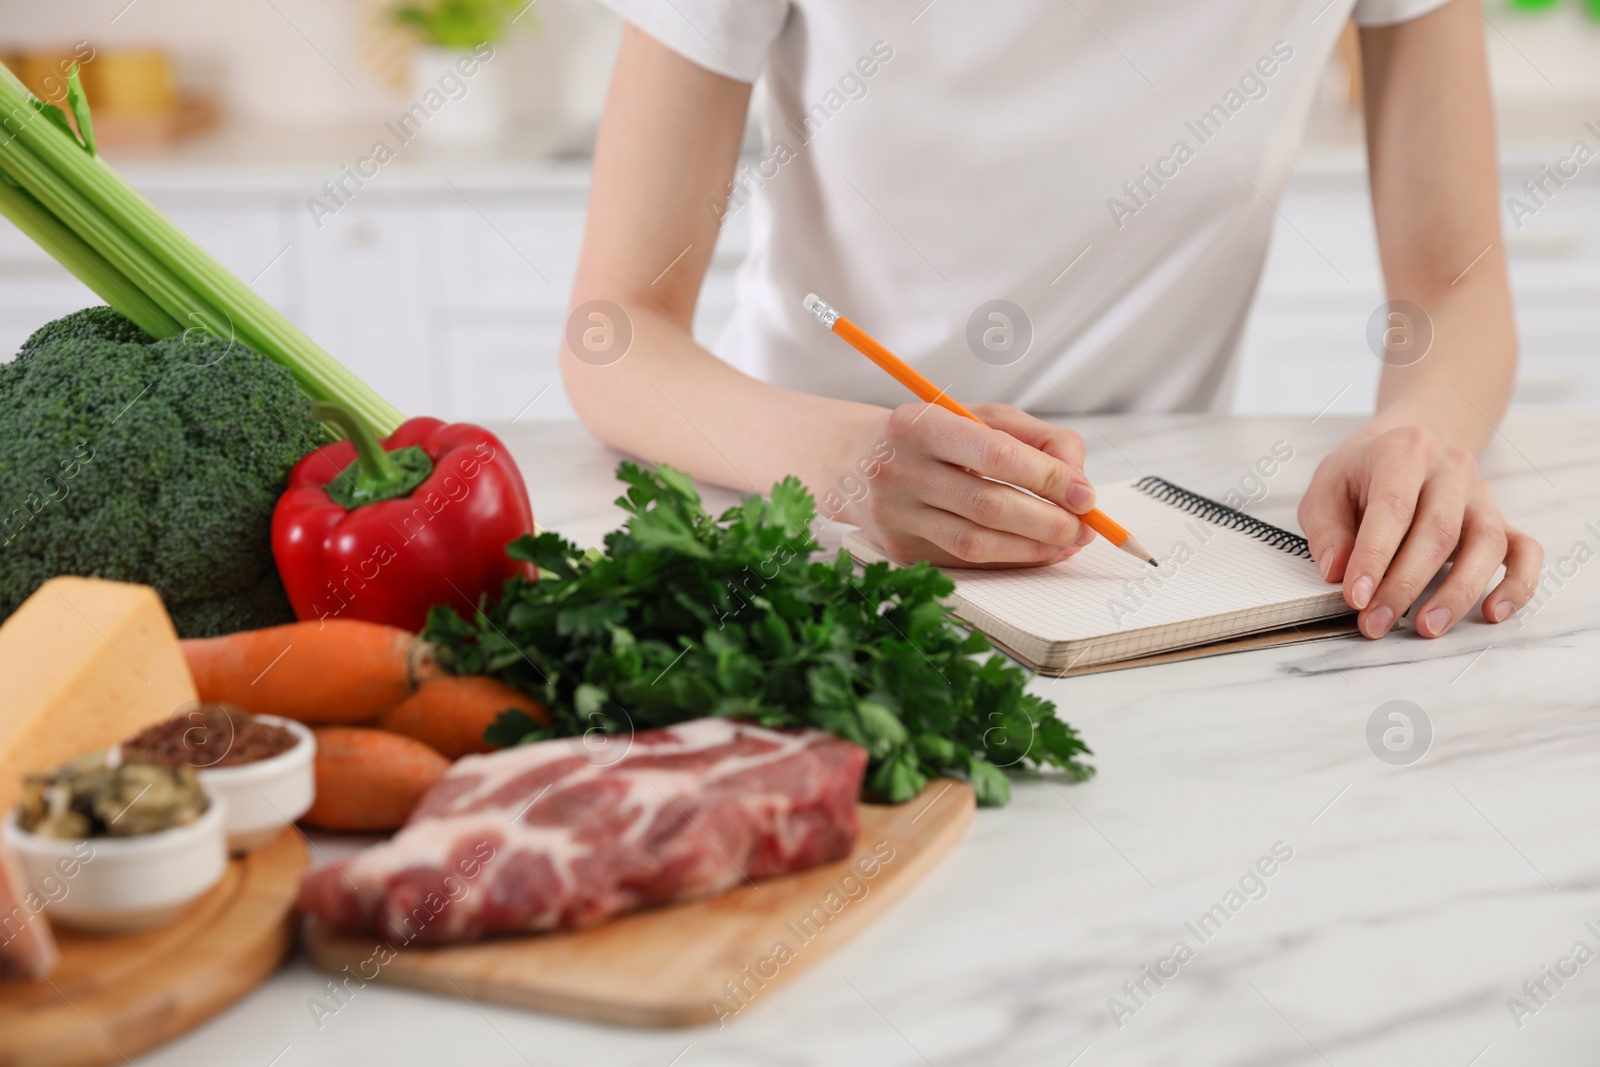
(1438, 906)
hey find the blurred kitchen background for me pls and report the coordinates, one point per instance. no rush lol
(443, 279)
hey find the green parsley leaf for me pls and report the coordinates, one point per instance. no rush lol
(686, 615)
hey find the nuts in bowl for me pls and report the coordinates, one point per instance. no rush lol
(142, 842)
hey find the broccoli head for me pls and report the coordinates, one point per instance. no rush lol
(148, 461)
(90, 324)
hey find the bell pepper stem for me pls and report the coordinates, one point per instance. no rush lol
(378, 469)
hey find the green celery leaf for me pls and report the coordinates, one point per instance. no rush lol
(56, 118)
(79, 102)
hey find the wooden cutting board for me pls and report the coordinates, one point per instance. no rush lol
(135, 991)
(686, 964)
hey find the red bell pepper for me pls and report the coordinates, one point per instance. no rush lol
(382, 531)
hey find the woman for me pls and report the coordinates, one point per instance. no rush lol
(1107, 169)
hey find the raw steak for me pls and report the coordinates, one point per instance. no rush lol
(568, 833)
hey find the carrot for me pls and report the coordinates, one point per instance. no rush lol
(370, 779)
(451, 714)
(335, 671)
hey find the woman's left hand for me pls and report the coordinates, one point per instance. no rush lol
(1386, 510)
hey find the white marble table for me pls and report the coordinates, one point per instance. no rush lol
(1416, 901)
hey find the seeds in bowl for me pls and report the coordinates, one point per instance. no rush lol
(210, 735)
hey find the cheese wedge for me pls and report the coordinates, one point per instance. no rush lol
(84, 664)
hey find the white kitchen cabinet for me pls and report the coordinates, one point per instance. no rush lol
(1307, 353)
(448, 292)
(1306, 338)
(372, 278)
(498, 253)
(452, 301)
(33, 289)
(498, 366)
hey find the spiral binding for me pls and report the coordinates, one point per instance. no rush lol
(1223, 515)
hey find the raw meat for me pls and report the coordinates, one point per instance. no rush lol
(567, 833)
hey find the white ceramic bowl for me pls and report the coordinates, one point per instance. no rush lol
(265, 796)
(114, 885)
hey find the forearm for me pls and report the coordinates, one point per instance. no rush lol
(1459, 390)
(669, 400)
(668, 143)
(1435, 183)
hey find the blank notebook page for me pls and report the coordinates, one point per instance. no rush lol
(1102, 591)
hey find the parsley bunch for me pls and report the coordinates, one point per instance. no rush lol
(686, 615)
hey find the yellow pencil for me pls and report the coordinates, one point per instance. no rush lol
(902, 372)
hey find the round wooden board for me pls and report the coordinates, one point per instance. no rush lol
(114, 997)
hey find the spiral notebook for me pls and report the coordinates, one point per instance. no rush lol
(1227, 581)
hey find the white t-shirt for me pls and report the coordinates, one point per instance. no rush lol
(1108, 168)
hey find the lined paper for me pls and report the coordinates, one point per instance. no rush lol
(1104, 591)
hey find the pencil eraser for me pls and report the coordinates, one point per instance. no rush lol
(812, 300)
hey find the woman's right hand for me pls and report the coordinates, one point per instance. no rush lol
(924, 492)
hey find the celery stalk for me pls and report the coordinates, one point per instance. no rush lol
(134, 262)
(89, 266)
(153, 254)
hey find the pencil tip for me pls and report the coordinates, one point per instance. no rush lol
(1152, 563)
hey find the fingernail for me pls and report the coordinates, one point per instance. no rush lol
(1085, 535)
(1502, 610)
(1080, 497)
(1379, 621)
(1437, 619)
(1362, 591)
(1327, 564)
